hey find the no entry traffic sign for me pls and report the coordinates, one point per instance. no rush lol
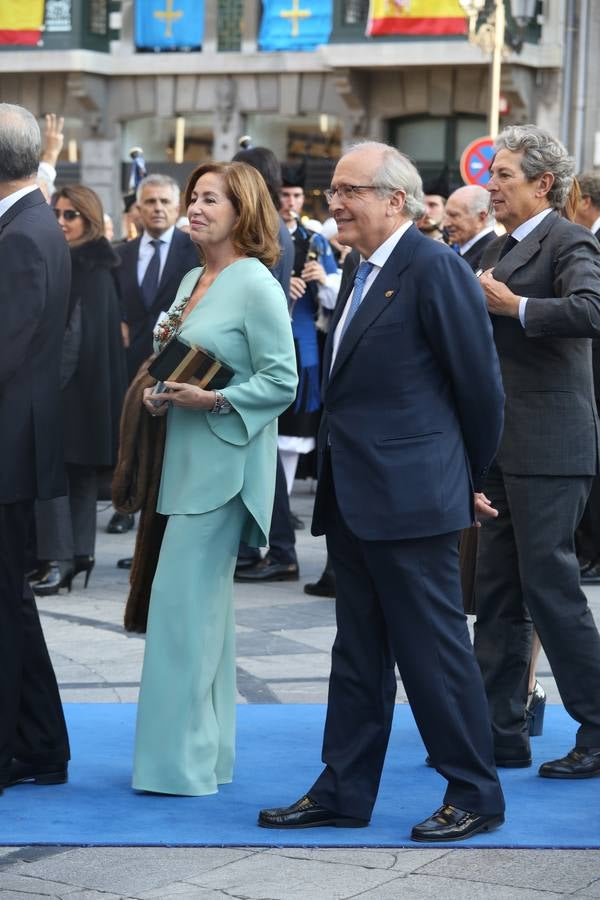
(475, 161)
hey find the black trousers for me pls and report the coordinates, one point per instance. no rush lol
(399, 602)
(527, 572)
(282, 539)
(32, 724)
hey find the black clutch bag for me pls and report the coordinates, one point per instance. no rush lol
(186, 363)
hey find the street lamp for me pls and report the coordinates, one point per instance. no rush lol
(487, 29)
(489, 35)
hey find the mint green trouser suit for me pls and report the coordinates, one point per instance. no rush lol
(217, 487)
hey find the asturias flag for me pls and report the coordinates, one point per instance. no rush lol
(21, 21)
(295, 24)
(169, 24)
(415, 17)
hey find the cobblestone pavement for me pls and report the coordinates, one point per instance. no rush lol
(284, 638)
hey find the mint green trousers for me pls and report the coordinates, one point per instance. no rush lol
(185, 733)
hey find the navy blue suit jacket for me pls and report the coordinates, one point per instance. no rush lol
(413, 407)
(182, 257)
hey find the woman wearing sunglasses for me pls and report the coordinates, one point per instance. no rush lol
(94, 381)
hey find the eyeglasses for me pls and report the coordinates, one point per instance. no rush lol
(68, 214)
(348, 191)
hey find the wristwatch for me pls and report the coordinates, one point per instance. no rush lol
(222, 405)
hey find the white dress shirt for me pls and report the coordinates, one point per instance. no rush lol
(468, 244)
(520, 232)
(9, 201)
(146, 252)
(378, 260)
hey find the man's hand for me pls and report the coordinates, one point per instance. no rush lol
(297, 288)
(53, 138)
(125, 334)
(500, 299)
(313, 271)
(483, 509)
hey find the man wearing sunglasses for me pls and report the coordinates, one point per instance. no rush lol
(412, 416)
(36, 277)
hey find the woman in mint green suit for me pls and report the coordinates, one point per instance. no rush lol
(217, 481)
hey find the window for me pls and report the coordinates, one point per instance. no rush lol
(229, 24)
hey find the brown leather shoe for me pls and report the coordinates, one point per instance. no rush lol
(580, 762)
(449, 823)
(306, 813)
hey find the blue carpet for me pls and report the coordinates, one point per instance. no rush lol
(278, 754)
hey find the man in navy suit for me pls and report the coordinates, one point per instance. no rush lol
(469, 223)
(412, 416)
(34, 290)
(151, 269)
(141, 302)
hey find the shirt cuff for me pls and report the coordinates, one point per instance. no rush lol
(522, 307)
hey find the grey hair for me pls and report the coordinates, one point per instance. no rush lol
(158, 180)
(589, 185)
(396, 173)
(477, 200)
(20, 143)
(541, 153)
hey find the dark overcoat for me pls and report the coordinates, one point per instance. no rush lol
(93, 396)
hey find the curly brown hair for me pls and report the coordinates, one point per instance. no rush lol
(256, 230)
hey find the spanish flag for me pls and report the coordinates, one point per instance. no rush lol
(21, 21)
(416, 17)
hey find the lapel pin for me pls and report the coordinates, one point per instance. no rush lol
(389, 294)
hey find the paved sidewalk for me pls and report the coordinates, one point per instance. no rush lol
(284, 638)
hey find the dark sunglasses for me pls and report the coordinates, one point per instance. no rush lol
(68, 214)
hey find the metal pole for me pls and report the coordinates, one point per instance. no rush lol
(567, 74)
(582, 59)
(495, 69)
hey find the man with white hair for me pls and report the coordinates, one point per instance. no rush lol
(410, 375)
(36, 279)
(469, 222)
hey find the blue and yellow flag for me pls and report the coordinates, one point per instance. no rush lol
(169, 24)
(295, 24)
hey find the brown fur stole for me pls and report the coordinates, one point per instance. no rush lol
(135, 487)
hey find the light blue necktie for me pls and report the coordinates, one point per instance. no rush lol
(359, 285)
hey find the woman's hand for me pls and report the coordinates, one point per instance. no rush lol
(188, 396)
(156, 404)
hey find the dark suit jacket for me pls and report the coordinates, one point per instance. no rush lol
(34, 291)
(413, 405)
(182, 257)
(551, 424)
(475, 252)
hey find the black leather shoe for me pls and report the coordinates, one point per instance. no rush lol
(268, 570)
(58, 575)
(125, 563)
(324, 587)
(305, 813)
(449, 823)
(22, 772)
(120, 523)
(580, 762)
